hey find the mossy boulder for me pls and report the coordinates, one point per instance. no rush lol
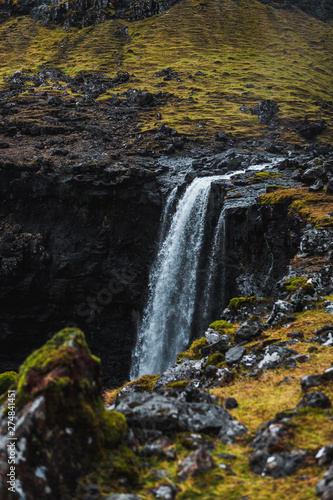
(215, 359)
(7, 379)
(64, 425)
(238, 302)
(293, 284)
(221, 326)
(193, 351)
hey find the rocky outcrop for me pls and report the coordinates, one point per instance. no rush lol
(135, 11)
(60, 425)
(83, 13)
(78, 253)
(323, 10)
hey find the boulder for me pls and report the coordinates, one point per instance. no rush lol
(309, 381)
(315, 399)
(325, 455)
(166, 491)
(249, 329)
(266, 111)
(62, 427)
(274, 356)
(159, 414)
(324, 488)
(310, 129)
(281, 313)
(234, 355)
(187, 369)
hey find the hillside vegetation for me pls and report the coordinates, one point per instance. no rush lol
(221, 55)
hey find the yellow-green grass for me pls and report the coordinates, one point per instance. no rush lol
(286, 55)
(260, 399)
(145, 383)
(264, 394)
(310, 206)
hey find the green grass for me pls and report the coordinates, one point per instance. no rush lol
(286, 55)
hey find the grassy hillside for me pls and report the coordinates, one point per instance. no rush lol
(246, 51)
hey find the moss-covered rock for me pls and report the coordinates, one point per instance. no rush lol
(193, 351)
(7, 379)
(221, 326)
(64, 425)
(293, 284)
(215, 359)
(238, 302)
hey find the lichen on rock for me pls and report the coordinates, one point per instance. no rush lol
(62, 428)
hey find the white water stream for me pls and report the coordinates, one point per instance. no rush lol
(166, 325)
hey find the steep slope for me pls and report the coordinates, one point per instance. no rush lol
(210, 58)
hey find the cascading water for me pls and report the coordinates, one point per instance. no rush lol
(167, 321)
(166, 325)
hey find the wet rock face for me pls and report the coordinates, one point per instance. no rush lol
(61, 424)
(78, 251)
(260, 242)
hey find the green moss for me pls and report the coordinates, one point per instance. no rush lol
(180, 383)
(238, 302)
(194, 350)
(7, 379)
(308, 288)
(120, 466)
(310, 207)
(268, 173)
(220, 326)
(113, 427)
(147, 382)
(59, 351)
(215, 359)
(293, 284)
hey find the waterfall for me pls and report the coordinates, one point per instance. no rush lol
(166, 326)
(167, 320)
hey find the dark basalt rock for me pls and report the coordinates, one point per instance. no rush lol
(234, 354)
(266, 111)
(153, 414)
(322, 10)
(63, 274)
(315, 400)
(284, 464)
(185, 370)
(188, 394)
(269, 457)
(135, 11)
(309, 130)
(325, 455)
(309, 381)
(324, 488)
(281, 313)
(274, 356)
(249, 329)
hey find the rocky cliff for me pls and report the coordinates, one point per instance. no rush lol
(77, 250)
